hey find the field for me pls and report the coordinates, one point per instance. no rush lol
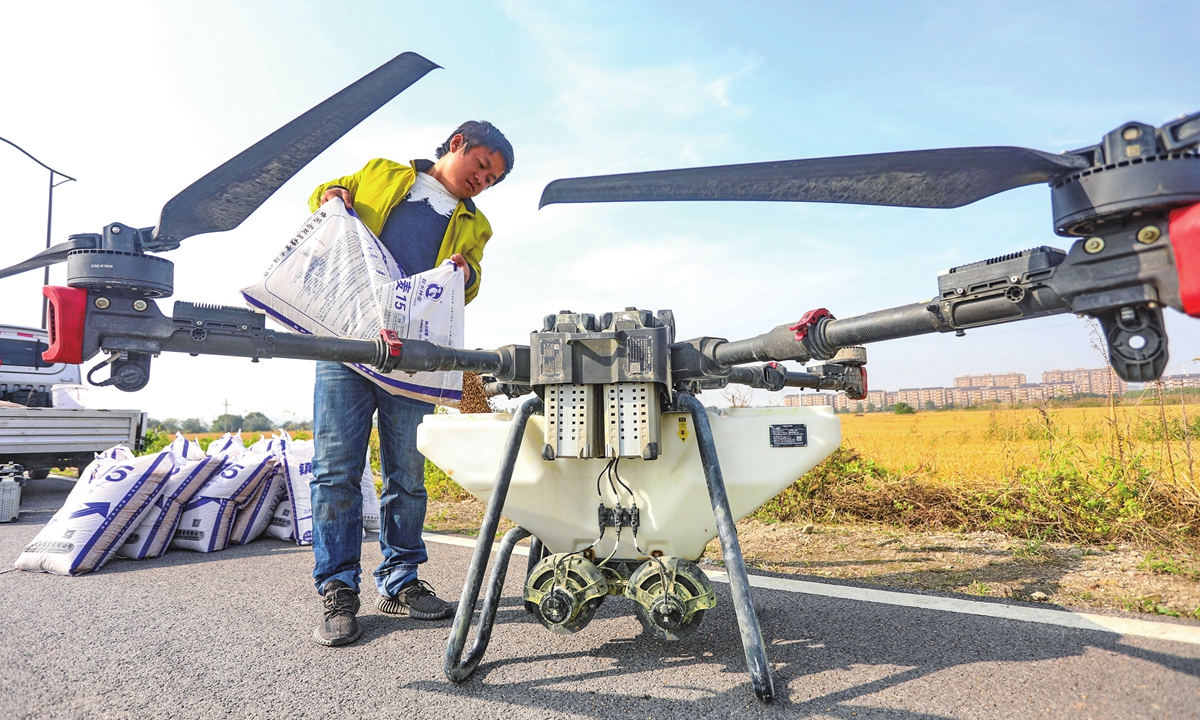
(1073, 474)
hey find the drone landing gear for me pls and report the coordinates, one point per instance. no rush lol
(731, 549)
(459, 669)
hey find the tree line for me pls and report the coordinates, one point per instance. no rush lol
(250, 422)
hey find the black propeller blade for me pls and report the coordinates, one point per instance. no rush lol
(49, 256)
(945, 178)
(225, 197)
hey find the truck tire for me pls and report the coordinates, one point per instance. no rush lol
(38, 474)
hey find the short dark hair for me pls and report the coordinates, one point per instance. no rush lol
(482, 132)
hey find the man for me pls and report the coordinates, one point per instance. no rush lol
(423, 214)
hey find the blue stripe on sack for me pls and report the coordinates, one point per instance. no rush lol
(419, 389)
(108, 520)
(258, 506)
(254, 476)
(275, 314)
(162, 531)
(287, 474)
(116, 513)
(222, 526)
(157, 543)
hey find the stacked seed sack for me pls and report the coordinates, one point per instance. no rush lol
(183, 497)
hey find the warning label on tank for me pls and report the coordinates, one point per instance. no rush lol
(789, 436)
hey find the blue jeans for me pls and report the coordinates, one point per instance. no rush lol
(343, 404)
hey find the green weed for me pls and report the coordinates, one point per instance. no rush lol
(977, 588)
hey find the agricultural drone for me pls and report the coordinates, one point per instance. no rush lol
(615, 411)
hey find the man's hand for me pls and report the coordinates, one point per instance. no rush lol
(461, 262)
(338, 192)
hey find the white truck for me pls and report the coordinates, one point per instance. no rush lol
(33, 432)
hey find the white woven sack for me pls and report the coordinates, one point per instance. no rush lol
(281, 521)
(297, 467)
(192, 469)
(335, 278)
(255, 517)
(104, 460)
(227, 444)
(208, 519)
(273, 444)
(97, 516)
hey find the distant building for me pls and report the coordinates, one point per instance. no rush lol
(917, 397)
(1095, 381)
(1175, 382)
(974, 390)
(880, 399)
(1007, 380)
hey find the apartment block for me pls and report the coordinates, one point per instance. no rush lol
(1097, 381)
(1007, 380)
(1175, 382)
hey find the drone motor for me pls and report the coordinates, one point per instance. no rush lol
(670, 595)
(563, 591)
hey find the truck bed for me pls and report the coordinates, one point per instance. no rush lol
(26, 433)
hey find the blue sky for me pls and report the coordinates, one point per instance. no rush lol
(136, 100)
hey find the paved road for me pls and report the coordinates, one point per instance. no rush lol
(227, 635)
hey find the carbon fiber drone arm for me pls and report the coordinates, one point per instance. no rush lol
(133, 330)
(1122, 279)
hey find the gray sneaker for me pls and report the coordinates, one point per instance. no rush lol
(417, 600)
(340, 627)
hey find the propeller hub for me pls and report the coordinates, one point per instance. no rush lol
(149, 276)
(1086, 201)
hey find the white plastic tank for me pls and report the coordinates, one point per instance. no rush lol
(761, 452)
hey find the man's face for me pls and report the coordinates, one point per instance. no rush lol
(468, 173)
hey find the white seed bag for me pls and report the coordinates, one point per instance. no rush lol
(335, 278)
(253, 519)
(208, 518)
(192, 469)
(297, 468)
(97, 516)
(227, 444)
(281, 521)
(104, 460)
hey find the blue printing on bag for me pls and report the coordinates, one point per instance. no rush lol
(116, 513)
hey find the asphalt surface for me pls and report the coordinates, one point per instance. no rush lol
(229, 635)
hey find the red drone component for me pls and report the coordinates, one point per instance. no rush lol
(810, 318)
(67, 310)
(392, 339)
(1184, 229)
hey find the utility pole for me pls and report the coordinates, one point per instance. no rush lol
(226, 406)
(49, 212)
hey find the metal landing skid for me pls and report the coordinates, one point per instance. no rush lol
(459, 668)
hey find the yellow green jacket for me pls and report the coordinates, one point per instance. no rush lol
(382, 184)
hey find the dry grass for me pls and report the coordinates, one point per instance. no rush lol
(987, 447)
(1077, 475)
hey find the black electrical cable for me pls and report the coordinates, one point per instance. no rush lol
(616, 463)
(606, 468)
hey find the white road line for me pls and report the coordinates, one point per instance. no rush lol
(1082, 621)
